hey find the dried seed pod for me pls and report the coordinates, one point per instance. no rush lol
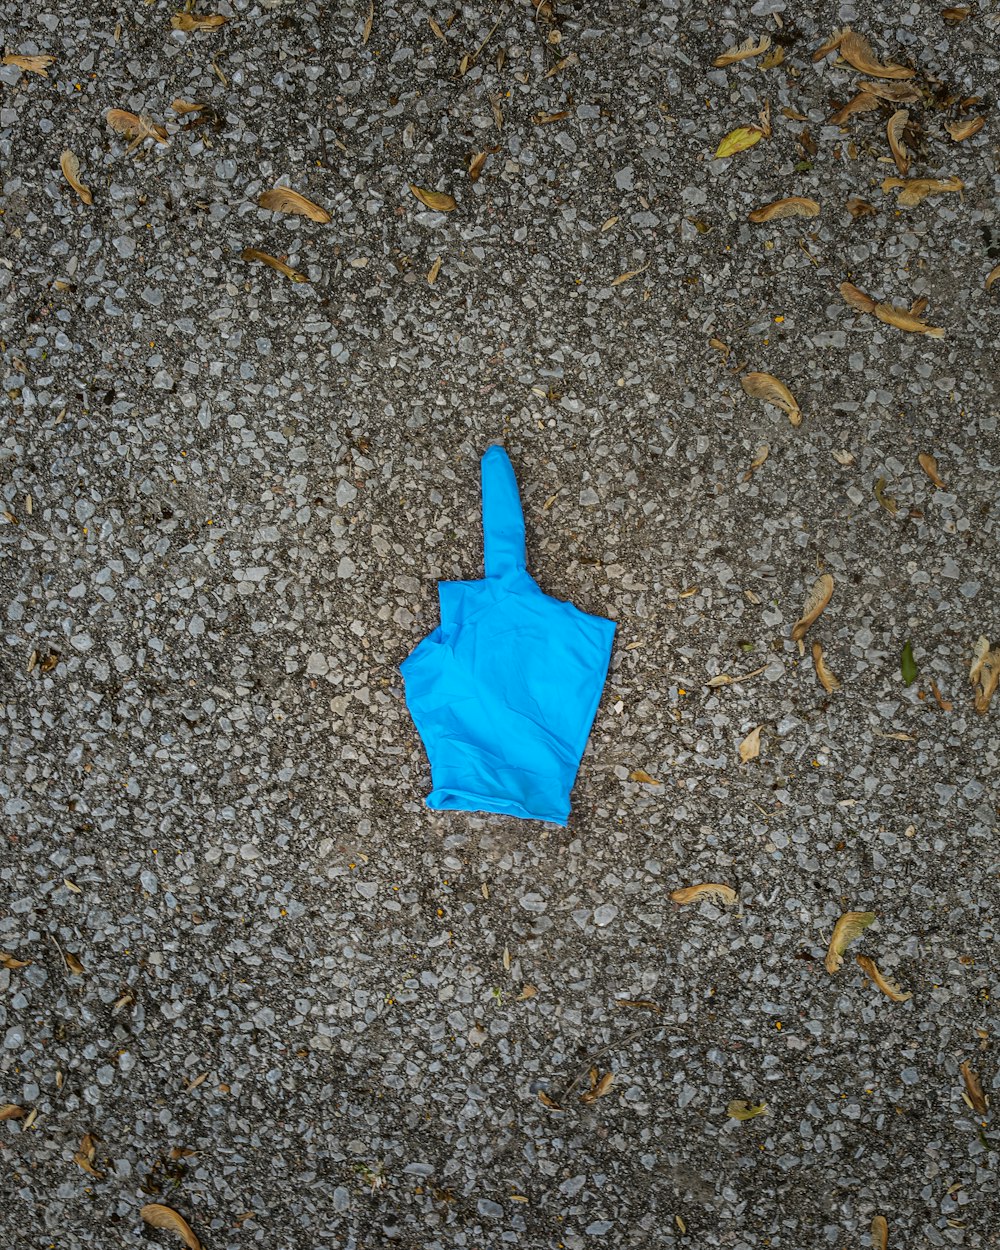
(826, 678)
(889, 988)
(791, 206)
(766, 387)
(70, 166)
(285, 200)
(711, 891)
(815, 605)
(743, 52)
(848, 928)
(894, 132)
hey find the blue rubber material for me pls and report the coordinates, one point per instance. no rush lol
(504, 692)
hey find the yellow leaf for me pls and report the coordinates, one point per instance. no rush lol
(193, 21)
(857, 51)
(849, 927)
(739, 140)
(766, 387)
(643, 778)
(70, 166)
(974, 1089)
(791, 206)
(965, 129)
(740, 1109)
(440, 201)
(285, 200)
(743, 52)
(710, 891)
(826, 678)
(889, 988)
(750, 746)
(32, 64)
(159, 1216)
(432, 273)
(885, 501)
(880, 1233)
(929, 466)
(913, 190)
(253, 253)
(894, 132)
(680, 1223)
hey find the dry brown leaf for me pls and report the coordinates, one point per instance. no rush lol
(898, 92)
(944, 704)
(265, 258)
(33, 64)
(814, 607)
(913, 190)
(826, 678)
(985, 674)
(903, 319)
(880, 1233)
(546, 1101)
(889, 988)
(476, 164)
(74, 965)
(992, 276)
(643, 778)
(628, 275)
(749, 748)
(974, 1089)
(766, 387)
(439, 201)
(8, 961)
(739, 140)
(195, 21)
(857, 51)
(544, 119)
(158, 1216)
(70, 166)
(860, 208)
(285, 200)
(709, 891)
(135, 127)
(791, 206)
(848, 928)
(598, 1088)
(856, 298)
(965, 129)
(85, 1156)
(10, 1111)
(956, 13)
(744, 52)
(741, 1109)
(366, 30)
(830, 45)
(432, 273)
(182, 107)
(894, 133)
(929, 466)
(862, 103)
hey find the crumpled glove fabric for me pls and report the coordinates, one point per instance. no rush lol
(504, 692)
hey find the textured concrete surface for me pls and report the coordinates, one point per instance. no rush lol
(300, 1016)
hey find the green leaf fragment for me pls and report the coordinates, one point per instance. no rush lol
(908, 665)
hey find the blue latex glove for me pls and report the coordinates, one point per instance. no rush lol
(505, 690)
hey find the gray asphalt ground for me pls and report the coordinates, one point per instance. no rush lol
(306, 1012)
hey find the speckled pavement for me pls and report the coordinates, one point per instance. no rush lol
(286, 1000)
